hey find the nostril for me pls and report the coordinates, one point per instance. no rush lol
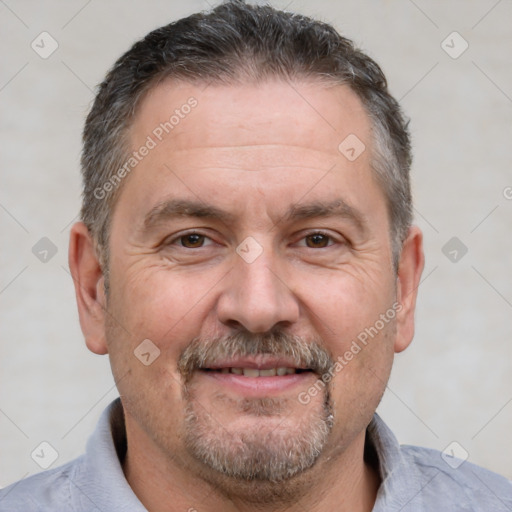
(257, 303)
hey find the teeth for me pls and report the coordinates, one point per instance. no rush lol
(254, 372)
(251, 372)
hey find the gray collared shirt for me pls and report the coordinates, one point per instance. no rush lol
(413, 479)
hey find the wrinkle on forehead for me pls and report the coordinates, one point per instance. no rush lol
(284, 141)
(254, 157)
(308, 115)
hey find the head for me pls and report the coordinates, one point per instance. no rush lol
(238, 44)
(247, 208)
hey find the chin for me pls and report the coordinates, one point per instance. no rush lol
(263, 457)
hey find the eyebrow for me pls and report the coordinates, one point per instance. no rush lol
(174, 208)
(336, 208)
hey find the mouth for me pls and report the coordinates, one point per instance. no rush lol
(280, 371)
(257, 376)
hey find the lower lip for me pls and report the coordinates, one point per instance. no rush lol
(256, 386)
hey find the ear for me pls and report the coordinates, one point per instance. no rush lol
(412, 261)
(89, 287)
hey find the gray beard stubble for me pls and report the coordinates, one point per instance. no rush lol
(273, 456)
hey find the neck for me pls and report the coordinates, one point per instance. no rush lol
(338, 481)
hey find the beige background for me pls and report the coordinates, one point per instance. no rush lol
(455, 381)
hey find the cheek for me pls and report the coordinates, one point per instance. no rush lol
(363, 366)
(346, 308)
(144, 367)
(165, 306)
(166, 309)
(356, 318)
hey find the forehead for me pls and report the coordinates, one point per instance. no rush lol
(237, 118)
(240, 146)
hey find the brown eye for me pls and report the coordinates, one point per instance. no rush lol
(317, 241)
(192, 240)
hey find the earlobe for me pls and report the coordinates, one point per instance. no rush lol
(410, 267)
(89, 287)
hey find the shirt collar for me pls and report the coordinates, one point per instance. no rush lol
(401, 481)
(106, 486)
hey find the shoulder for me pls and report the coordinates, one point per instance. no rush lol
(456, 481)
(42, 491)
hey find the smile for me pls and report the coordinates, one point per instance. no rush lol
(257, 376)
(256, 372)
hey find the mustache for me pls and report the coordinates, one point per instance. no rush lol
(205, 352)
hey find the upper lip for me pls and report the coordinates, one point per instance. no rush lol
(261, 362)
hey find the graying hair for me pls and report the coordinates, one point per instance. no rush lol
(240, 43)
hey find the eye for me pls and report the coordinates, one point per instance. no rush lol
(318, 240)
(193, 240)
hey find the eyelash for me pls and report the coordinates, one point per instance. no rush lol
(331, 239)
(176, 240)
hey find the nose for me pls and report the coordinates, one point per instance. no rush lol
(257, 297)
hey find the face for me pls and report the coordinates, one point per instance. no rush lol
(256, 258)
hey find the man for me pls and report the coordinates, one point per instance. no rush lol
(247, 260)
